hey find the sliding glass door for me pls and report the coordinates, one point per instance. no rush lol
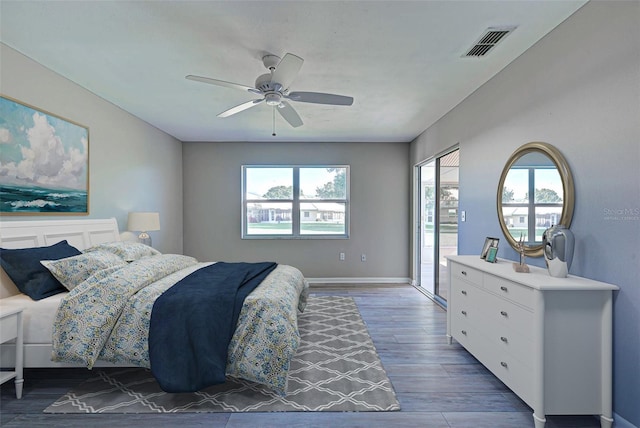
(438, 221)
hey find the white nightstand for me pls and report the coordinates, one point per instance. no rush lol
(11, 328)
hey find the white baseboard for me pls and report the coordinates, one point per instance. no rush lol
(352, 280)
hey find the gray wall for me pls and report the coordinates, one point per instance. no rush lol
(132, 165)
(379, 207)
(578, 89)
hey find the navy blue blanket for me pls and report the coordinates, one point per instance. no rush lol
(193, 322)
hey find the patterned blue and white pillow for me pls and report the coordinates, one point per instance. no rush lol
(72, 271)
(127, 251)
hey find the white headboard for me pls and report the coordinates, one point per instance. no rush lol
(81, 233)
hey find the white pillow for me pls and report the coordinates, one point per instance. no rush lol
(72, 271)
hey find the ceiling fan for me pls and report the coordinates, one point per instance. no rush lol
(274, 89)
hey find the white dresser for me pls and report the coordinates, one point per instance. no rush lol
(548, 339)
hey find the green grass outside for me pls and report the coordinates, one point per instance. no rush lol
(322, 227)
(270, 226)
(285, 227)
(516, 231)
(444, 228)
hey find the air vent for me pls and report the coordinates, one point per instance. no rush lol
(489, 39)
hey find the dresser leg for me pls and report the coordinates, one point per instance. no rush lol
(605, 422)
(19, 383)
(449, 339)
(539, 422)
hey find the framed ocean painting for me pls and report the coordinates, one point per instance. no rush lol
(44, 162)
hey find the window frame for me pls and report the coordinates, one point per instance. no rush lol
(296, 214)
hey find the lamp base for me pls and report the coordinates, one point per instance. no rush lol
(144, 238)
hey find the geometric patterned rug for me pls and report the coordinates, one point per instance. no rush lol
(336, 368)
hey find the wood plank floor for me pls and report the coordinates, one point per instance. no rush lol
(438, 385)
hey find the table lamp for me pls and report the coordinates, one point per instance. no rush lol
(143, 223)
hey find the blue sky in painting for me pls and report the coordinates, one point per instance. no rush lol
(40, 149)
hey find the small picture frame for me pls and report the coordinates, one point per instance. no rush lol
(489, 242)
(492, 254)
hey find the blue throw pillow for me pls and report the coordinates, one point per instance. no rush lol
(30, 276)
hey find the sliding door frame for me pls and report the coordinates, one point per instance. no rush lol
(417, 224)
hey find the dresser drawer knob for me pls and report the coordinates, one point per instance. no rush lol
(503, 288)
(463, 332)
(464, 292)
(464, 313)
(504, 339)
(464, 272)
(503, 364)
(504, 313)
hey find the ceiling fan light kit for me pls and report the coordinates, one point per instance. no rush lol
(274, 89)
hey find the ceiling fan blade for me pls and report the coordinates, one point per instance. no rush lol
(241, 107)
(289, 114)
(320, 98)
(223, 83)
(287, 70)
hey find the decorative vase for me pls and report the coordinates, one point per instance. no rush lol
(558, 243)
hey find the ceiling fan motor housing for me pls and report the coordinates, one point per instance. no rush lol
(263, 82)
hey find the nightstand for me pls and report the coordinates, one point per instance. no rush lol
(11, 328)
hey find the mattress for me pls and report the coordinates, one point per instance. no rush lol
(37, 316)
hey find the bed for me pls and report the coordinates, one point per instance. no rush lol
(125, 309)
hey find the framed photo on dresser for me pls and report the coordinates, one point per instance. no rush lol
(489, 243)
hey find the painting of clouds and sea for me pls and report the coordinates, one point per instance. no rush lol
(44, 162)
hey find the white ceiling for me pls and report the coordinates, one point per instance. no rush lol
(401, 60)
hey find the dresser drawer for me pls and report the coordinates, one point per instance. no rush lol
(513, 373)
(517, 376)
(465, 295)
(509, 342)
(463, 331)
(501, 312)
(510, 290)
(464, 316)
(468, 274)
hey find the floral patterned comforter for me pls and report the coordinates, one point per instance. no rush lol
(107, 318)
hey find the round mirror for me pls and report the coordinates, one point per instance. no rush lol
(535, 192)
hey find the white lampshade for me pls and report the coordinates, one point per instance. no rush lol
(143, 222)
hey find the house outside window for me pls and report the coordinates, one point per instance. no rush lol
(295, 202)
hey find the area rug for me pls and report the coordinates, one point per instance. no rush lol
(336, 369)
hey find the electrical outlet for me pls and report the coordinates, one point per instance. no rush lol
(341, 257)
(463, 216)
(363, 257)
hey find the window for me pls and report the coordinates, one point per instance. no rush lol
(295, 201)
(532, 200)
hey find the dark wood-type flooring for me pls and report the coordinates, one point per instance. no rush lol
(438, 385)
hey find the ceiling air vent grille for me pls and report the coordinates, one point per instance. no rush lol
(489, 39)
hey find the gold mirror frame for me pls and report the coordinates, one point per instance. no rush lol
(568, 197)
